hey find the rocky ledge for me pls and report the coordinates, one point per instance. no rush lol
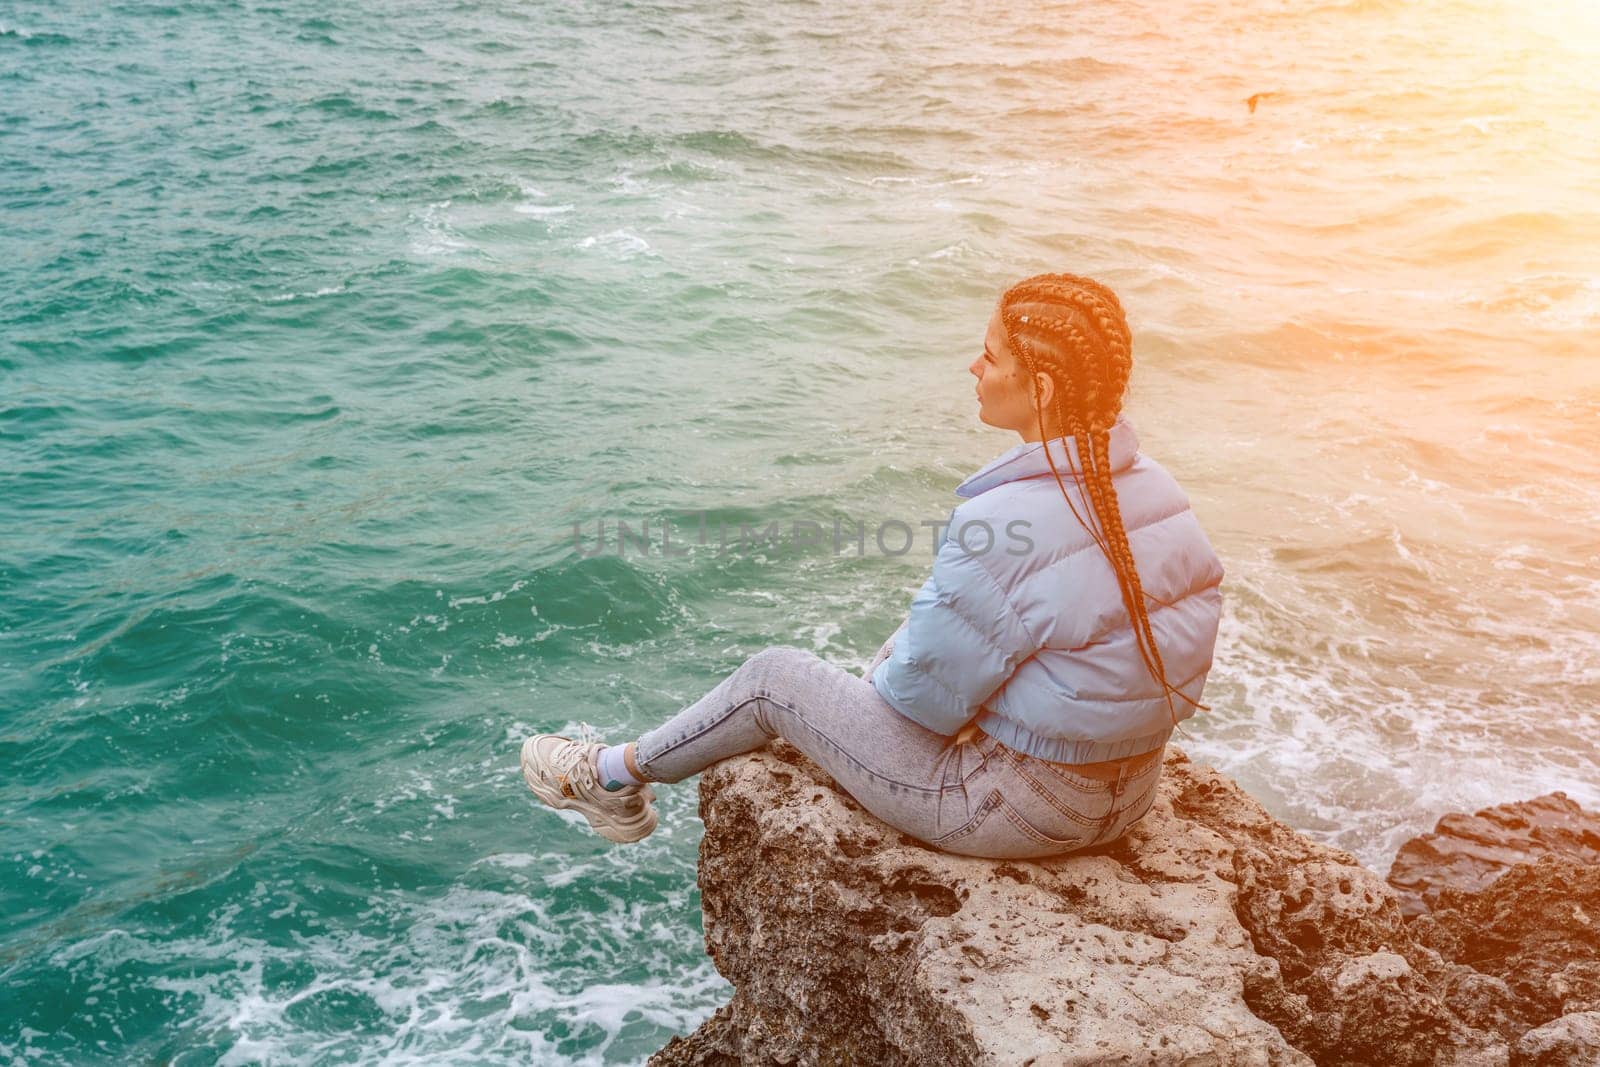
(1210, 934)
(1470, 851)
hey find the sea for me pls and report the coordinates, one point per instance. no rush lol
(340, 341)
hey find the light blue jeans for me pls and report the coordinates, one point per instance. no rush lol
(973, 797)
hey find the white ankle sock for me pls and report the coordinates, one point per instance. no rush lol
(612, 768)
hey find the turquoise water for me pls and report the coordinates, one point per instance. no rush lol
(320, 327)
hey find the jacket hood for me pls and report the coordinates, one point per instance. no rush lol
(1028, 460)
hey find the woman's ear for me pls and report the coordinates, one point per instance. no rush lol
(1044, 388)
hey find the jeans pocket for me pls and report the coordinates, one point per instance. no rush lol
(999, 830)
(1076, 801)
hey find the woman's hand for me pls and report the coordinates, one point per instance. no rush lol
(883, 653)
(967, 734)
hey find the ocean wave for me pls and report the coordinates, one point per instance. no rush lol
(240, 991)
(34, 38)
(344, 106)
(1482, 238)
(1302, 693)
(543, 211)
(1554, 300)
(437, 237)
(310, 294)
(621, 244)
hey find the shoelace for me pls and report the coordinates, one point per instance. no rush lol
(577, 753)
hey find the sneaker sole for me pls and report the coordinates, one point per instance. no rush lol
(610, 829)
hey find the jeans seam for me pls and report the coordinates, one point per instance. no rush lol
(1056, 802)
(1154, 766)
(801, 719)
(1027, 829)
(715, 722)
(1117, 813)
(1077, 781)
(982, 762)
(979, 817)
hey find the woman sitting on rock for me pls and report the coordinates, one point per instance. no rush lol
(1022, 708)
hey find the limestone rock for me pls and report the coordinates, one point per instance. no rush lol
(1468, 852)
(1210, 933)
(1536, 928)
(1570, 1041)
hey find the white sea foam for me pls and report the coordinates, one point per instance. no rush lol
(313, 294)
(543, 210)
(1311, 718)
(1553, 300)
(629, 185)
(1580, 310)
(624, 244)
(1478, 123)
(822, 635)
(492, 598)
(471, 977)
(436, 236)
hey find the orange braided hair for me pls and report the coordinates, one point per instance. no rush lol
(1074, 330)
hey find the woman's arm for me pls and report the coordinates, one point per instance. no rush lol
(883, 653)
(960, 642)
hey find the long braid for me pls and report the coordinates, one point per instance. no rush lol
(1067, 416)
(1116, 347)
(1090, 366)
(1110, 515)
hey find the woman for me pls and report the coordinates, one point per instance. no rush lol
(1022, 708)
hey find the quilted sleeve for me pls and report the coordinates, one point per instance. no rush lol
(960, 642)
(883, 652)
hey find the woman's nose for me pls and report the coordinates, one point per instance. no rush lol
(975, 367)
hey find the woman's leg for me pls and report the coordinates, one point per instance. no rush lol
(895, 768)
(886, 761)
(974, 797)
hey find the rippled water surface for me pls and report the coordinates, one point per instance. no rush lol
(321, 325)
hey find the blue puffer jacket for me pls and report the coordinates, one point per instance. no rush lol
(1021, 625)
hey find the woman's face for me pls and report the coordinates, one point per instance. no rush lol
(1004, 398)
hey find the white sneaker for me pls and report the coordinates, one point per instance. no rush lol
(560, 771)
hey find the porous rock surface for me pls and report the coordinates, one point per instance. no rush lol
(1210, 933)
(1534, 933)
(1468, 852)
